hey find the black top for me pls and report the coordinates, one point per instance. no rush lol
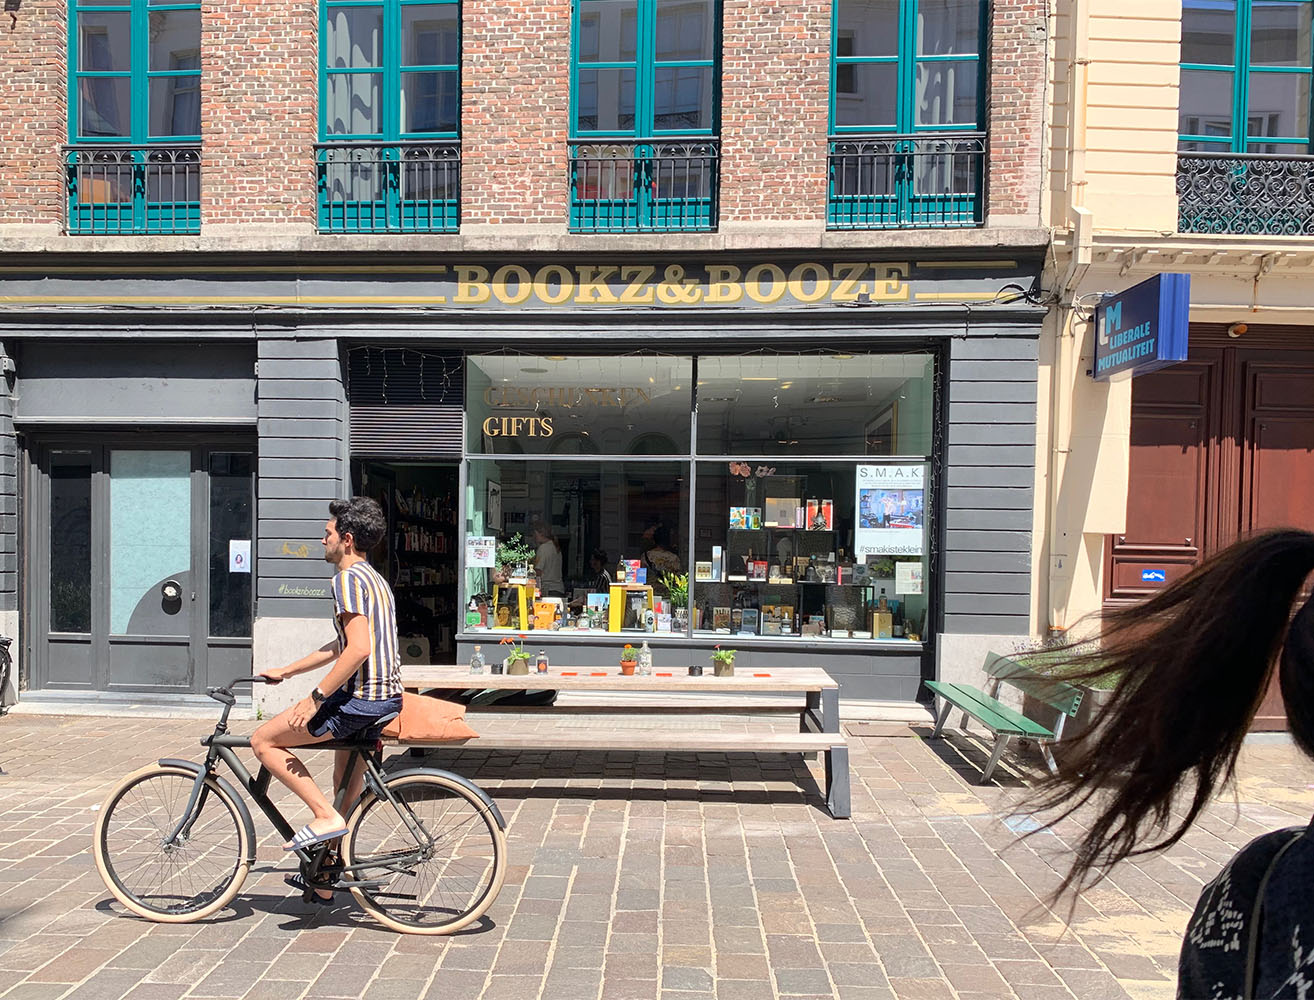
(1217, 944)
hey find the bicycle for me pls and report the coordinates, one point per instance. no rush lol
(424, 852)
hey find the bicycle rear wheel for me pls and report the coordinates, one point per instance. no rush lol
(188, 880)
(435, 889)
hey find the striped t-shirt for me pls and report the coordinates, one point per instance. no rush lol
(360, 590)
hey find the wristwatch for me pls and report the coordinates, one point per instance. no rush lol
(317, 696)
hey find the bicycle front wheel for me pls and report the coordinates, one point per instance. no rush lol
(440, 854)
(189, 879)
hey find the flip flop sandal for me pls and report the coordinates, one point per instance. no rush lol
(306, 837)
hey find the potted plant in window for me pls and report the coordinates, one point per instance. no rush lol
(629, 659)
(514, 556)
(723, 662)
(517, 657)
(677, 589)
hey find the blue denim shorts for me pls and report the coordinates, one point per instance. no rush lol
(347, 717)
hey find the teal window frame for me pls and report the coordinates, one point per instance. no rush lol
(907, 61)
(645, 66)
(139, 72)
(392, 210)
(904, 207)
(390, 71)
(137, 173)
(1240, 70)
(653, 190)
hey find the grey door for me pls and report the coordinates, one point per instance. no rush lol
(142, 579)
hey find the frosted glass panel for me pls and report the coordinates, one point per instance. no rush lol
(150, 540)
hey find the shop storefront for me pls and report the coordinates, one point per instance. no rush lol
(805, 478)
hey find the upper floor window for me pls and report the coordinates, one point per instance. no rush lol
(135, 71)
(391, 69)
(645, 68)
(1245, 84)
(903, 66)
(389, 116)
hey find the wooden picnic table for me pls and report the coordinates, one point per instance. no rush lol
(818, 713)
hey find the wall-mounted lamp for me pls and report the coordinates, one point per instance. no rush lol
(1236, 330)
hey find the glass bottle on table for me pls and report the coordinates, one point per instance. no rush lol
(477, 661)
(645, 659)
(542, 662)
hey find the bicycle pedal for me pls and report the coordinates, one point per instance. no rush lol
(305, 885)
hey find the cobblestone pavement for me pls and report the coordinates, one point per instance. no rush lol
(634, 876)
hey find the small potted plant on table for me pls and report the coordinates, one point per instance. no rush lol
(723, 662)
(629, 659)
(517, 658)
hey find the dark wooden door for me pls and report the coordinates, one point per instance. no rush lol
(1222, 446)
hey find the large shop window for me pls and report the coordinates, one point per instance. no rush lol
(765, 495)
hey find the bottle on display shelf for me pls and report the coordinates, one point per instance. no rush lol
(477, 661)
(883, 604)
(620, 571)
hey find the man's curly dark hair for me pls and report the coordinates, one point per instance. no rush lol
(362, 519)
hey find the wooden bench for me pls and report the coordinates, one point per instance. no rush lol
(818, 714)
(1002, 721)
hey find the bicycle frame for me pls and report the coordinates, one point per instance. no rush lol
(222, 746)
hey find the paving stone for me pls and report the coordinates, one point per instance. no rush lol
(637, 876)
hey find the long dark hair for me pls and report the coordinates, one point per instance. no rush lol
(1193, 664)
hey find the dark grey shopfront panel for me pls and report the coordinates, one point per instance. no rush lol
(990, 484)
(157, 382)
(302, 419)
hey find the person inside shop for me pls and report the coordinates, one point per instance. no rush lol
(547, 560)
(599, 579)
(660, 559)
(1193, 664)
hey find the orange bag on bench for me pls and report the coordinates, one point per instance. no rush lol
(428, 720)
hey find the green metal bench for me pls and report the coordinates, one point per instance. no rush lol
(1002, 721)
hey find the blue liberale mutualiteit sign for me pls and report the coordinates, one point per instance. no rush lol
(1143, 328)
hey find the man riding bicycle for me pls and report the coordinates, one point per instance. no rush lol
(363, 685)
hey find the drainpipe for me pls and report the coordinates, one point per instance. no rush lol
(1062, 542)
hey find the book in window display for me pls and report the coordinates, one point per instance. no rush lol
(820, 515)
(746, 518)
(748, 624)
(721, 619)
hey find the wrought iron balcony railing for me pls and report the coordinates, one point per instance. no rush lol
(116, 190)
(1254, 194)
(906, 181)
(389, 187)
(655, 186)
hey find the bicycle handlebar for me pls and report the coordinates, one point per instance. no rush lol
(224, 693)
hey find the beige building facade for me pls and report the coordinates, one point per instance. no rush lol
(1178, 142)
